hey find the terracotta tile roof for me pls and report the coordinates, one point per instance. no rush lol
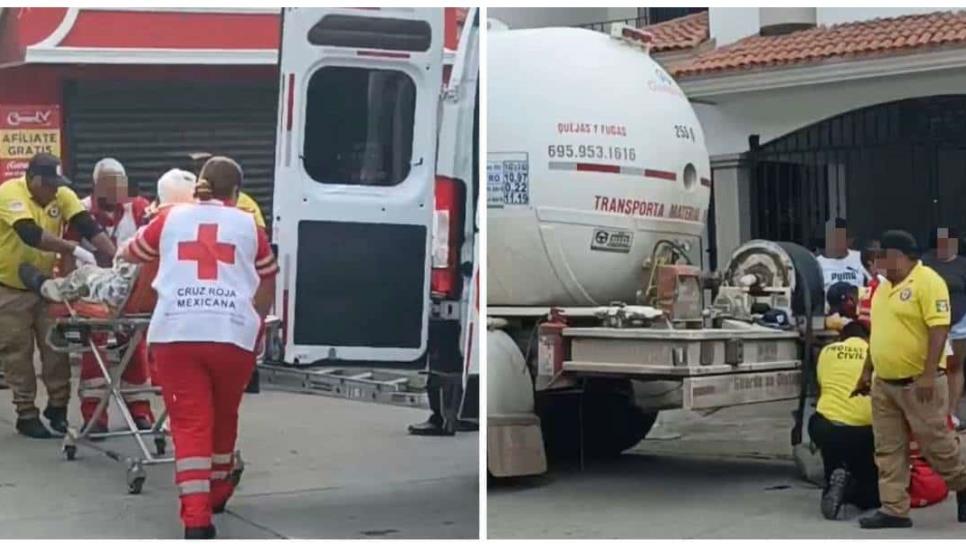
(844, 41)
(681, 33)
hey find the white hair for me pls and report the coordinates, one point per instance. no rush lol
(108, 166)
(176, 187)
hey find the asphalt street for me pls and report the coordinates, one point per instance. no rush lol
(317, 467)
(725, 475)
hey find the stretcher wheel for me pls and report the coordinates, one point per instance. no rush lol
(135, 486)
(70, 452)
(160, 445)
(135, 479)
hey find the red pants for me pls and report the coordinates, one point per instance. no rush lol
(203, 384)
(135, 375)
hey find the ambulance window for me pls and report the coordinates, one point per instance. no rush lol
(359, 126)
(372, 32)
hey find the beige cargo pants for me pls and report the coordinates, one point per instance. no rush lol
(24, 324)
(895, 413)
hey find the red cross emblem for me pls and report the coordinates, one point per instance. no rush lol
(207, 251)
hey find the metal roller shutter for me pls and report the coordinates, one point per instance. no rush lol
(151, 128)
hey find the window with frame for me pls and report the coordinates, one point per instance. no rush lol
(359, 126)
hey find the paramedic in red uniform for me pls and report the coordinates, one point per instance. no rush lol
(215, 286)
(120, 215)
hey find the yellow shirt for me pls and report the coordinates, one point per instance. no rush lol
(902, 315)
(16, 204)
(248, 204)
(839, 367)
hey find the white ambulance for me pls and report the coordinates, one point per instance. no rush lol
(375, 202)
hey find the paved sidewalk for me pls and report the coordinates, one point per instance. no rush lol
(316, 467)
(728, 475)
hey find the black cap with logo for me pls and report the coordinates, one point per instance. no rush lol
(48, 167)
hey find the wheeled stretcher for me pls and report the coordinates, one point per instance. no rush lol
(75, 334)
(76, 325)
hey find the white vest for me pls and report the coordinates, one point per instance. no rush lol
(206, 277)
(123, 231)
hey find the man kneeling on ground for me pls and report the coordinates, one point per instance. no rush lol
(842, 425)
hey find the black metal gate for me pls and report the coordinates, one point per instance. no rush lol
(895, 165)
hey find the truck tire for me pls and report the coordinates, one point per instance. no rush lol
(612, 424)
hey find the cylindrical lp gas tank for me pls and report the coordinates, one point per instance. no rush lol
(594, 154)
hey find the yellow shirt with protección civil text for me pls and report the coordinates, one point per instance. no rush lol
(839, 367)
(248, 204)
(902, 315)
(16, 204)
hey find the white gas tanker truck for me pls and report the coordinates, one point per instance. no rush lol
(599, 314)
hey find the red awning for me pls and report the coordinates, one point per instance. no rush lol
(210, 36)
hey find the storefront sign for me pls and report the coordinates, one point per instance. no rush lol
(24, 132)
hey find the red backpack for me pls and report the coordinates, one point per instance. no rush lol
(925, 486)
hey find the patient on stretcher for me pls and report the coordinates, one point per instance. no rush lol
(110, 287)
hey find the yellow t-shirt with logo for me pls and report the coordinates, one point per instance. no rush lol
(16, 204)
(839, 367)
(248, 204)
(901, 317)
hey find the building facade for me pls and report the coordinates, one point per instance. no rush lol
(816, 113)
(147, 86)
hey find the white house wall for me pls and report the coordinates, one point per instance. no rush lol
(544, 17)
(772, 114)
(728, 25)
(730, 120)
(834, 16)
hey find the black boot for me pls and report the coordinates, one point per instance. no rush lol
(255, 383)
(33, 428)
(434, 426)
(834, 495)
(961, 506)
(31, 277)
(881, 520)
(57, 418)
(199, 533)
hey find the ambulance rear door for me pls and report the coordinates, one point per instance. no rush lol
(355, 166)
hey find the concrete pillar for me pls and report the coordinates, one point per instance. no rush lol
(732, 204)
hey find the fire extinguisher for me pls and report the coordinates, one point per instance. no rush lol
(552, 349)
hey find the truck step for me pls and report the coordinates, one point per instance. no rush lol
(399, 388)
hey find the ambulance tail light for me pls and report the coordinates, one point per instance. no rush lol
(447, 220)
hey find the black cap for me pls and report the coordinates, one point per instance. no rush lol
(774, 318)
(840, 223)
(839, 291)
(902, 241)
(48, 167)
